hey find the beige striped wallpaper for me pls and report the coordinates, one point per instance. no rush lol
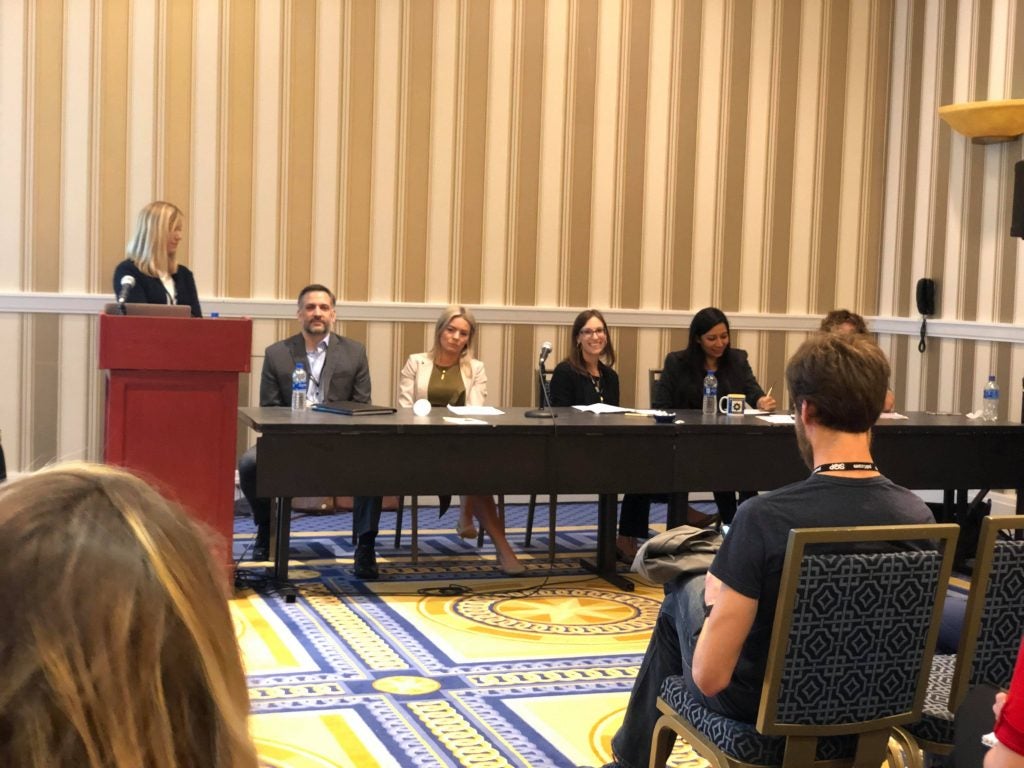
(771, 157)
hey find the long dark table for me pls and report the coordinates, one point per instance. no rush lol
(317, 454)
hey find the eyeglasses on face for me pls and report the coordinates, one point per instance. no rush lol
(588, 332)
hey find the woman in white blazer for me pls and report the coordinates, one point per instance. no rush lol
(449, 375)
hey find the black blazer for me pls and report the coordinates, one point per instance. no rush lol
(680, 386)
(570, 387)
(149, 290)
(345, 370)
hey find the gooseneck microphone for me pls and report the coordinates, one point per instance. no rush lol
(127, 283)
(545, 397)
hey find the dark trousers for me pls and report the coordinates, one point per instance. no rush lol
(365, 509)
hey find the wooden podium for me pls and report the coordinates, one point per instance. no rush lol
(172, 408)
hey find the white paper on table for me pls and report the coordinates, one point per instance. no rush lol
(601, 408)
(893, 415)
(778, 418)
(463, 420)
(748, 411)
(475, 410)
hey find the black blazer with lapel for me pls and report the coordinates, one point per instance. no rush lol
(346, 370)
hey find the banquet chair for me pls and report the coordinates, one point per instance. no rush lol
(989, 638)
(851, 644)
(653, 375)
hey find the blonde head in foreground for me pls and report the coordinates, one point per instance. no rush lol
(117, 647)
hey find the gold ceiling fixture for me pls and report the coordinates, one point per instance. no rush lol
(986, 122)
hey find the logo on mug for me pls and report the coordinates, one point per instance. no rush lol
(732, 405)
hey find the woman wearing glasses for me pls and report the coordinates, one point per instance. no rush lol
(449, 375)
(586, 377)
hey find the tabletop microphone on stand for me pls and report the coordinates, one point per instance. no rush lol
(127, 283)
(544, 411)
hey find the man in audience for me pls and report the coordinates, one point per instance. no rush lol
(336, 370)
(715, 630)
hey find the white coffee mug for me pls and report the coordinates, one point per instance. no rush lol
(732, 405)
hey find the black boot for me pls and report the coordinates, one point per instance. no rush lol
(365, 562)
(261, 545)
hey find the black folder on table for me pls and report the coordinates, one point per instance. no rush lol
(352, 408)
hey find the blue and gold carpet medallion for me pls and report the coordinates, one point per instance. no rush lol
(403, 672)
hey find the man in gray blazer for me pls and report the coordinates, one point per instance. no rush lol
(336, 370)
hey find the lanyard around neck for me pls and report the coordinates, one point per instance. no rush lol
(846, 466)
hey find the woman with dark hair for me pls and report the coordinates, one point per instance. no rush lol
(586, 376)
(682, 378)
(681, 385)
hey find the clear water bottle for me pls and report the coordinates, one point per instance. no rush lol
(299, 387)
(990, 400)
(709, 405)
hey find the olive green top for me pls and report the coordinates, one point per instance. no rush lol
(446, 387)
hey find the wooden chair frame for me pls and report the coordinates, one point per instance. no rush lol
(980, 579)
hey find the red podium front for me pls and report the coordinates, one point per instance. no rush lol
(172, 408)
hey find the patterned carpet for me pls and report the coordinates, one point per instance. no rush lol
(446, 663)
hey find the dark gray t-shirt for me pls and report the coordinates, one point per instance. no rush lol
(751, 558)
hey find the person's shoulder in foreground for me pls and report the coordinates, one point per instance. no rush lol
(1009, 728)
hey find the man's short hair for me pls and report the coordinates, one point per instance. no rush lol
(312, 288)
(844, 378)
(838, 317)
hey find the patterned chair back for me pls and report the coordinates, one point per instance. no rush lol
(994, 617)
(855, 632)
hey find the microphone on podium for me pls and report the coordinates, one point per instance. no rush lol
(127, 283)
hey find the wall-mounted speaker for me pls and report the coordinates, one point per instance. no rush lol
(1017, 224)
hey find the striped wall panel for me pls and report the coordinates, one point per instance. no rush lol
(775, 157)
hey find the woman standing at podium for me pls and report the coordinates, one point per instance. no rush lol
(152, 262)
(449, 375)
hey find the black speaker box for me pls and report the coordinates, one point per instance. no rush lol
(1017, 224)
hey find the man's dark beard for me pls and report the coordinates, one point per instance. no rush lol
(806, 451)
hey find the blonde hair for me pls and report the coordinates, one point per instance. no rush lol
(118, 648)
(148, 247)
(450, 313)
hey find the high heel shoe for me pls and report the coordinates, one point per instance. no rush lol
(515, 568)
(466, 530)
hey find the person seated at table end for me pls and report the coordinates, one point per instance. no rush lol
(449, 375)
(845, 321)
